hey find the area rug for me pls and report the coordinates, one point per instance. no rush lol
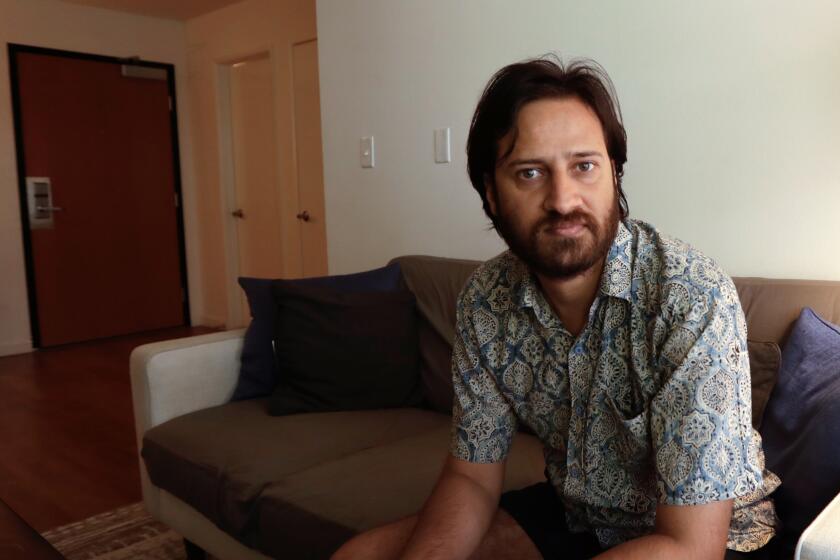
(122, 534)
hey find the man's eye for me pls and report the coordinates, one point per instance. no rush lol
(530, 173)
(586, 166)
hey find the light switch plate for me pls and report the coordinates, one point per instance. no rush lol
(366, 152)
(443, 151)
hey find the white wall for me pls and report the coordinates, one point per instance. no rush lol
(732, 111)
(59, 25)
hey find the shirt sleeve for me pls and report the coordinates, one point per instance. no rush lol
(704, 448)
(483, 422)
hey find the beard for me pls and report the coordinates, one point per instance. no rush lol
(555, 256)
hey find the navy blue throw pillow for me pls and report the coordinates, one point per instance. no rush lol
(801, 428)
(258, 371)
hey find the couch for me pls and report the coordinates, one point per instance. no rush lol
(241, 484)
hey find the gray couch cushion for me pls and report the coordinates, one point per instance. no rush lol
(772, 306)
(309, 514)
(219, 460)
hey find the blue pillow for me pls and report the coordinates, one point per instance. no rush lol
(258, 370)
(801, 429)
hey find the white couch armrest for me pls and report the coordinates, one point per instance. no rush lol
(175, 377)
(821, 540)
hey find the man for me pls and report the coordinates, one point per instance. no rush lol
(622, 349)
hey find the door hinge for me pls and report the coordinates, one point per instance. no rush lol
(170, 102)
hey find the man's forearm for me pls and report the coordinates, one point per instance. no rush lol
(453, 521)
(656, 547)
(696, 532)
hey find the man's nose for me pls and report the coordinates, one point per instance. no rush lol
(562, 194)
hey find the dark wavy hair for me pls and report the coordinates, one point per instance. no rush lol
(516, 85)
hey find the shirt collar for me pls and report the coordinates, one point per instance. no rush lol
(531, 296)
(615, 278)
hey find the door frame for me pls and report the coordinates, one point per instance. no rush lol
(13, 50)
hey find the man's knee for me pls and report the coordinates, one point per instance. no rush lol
(382, 543)
(357, 547)
(506, 540)
(346, 552)
(354, 548)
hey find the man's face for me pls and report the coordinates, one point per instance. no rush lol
(554, 196)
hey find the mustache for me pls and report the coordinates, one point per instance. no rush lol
(556, 219)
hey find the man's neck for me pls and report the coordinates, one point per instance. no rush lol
(571, 298)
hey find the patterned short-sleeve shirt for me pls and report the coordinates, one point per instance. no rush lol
(649, 404)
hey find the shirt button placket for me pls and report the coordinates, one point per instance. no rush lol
(579, 369)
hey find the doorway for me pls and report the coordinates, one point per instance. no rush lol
(100, 194)
(252, 185)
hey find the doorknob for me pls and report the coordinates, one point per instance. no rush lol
(238, 213)
(303, 216)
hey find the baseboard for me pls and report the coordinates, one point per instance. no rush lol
(11, 348)
(209, 321)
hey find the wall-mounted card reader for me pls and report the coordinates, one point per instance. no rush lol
(39, 199)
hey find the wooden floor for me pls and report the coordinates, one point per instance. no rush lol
(67, 447)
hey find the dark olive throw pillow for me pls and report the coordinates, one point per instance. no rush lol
(344, 351)
(765, 361)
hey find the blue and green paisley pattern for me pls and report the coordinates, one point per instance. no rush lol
(649, 404)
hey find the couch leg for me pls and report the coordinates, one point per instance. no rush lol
(194, 552)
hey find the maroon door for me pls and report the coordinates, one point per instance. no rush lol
(110, 261)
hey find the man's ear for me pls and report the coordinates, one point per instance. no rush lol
(490, 192)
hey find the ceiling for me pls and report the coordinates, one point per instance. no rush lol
(179, 9)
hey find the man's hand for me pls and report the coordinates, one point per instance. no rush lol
(685, 532)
